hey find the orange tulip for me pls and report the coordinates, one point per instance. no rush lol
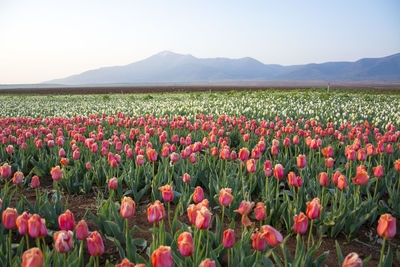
(203, 218)
(225, 197)
(162, 257)
(185, 244)
(56, 173)
(244, 154)
(301, 161)
(245, 207)
(335, 177)
(361, 178)
(323, 179)
(9, 218)
(125, 263)
(397, 165)
(342, 182)
(329, 162)
(387, 226)
(32, 258)
(22, 223)
(127, 207)
(251, 165)
(378, 171)
(18, 178)
(66, 221)
(95, 244)
(151, 154)
(34, 224)
(207, 263)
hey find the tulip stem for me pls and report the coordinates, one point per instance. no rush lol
(229, 256)
(27, 241)
(297, 244)
(154, 237)
(284, 254)
(382, 250)
(9, 246)
(277, 190)
(97, 261)
(322, 196)
(38, 243)
(341, 197)
(257, 252)
(198, 244)
(81, 254)
(169, 219)
(309, 234)
(222, 220)
(376, 187)
(65, 259)
(127, 236)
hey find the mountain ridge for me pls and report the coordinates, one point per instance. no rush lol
(167, 67)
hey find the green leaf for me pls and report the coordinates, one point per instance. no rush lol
(339, 253)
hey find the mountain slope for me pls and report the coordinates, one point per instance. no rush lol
(171, 67)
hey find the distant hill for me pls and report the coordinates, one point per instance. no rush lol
(169, 67)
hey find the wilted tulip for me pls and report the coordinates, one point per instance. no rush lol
(273, 236)
(95, 244)
(185, 244)
(162, 257)
(127, 207)
(32, 258)
(66, 221)
(352, 260)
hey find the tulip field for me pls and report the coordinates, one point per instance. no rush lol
(252, 178)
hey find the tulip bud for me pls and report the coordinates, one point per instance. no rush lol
(95, 244)
(35, 183)
(323, 179)
(314, 208)
(156, 212)
(260, 211)
(203, 218)
(300, 223)
(22, 223)
(186, 178)
(34, 224)
(198, 194)
(251, 165)
(301, 161)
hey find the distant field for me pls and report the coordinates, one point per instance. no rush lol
(185, 88)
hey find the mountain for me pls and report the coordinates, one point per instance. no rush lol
(169, 67)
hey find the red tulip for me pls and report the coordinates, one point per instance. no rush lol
(17, 178)
(81, 230)
(260, 211)
(34, 224)
(63, 241)
(301, 161)
(323, 179)
(35, 183)
(113, 183)
(167, 193)
(88, 165)
(361, 178)
(352, 260)
(397, 165)
(387, 226)
(314, 208)
(228, 238)
(273, 236)
(140, 160)
(267, 168)
(56, 173)
(156, 212)
(5, 171)
(127, 207)
(329, 162)
(22, 223)
(225, 197)
(251, 165)
(162, 257)
(279, 171)
(9, 218)
(43, 229)
(198, 194)
(378, 171)
(207, 263)
(300, 223)
(185, 244)
(335, 177)
(95, 244)
(258, 241)
(66, 221)
(64, 161)
(125, 263)
(327, 152)
(274, 150)
(174, 157)
(32, 258)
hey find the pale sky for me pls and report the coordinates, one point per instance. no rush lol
(44, 40)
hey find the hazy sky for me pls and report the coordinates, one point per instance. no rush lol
(43, 40)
